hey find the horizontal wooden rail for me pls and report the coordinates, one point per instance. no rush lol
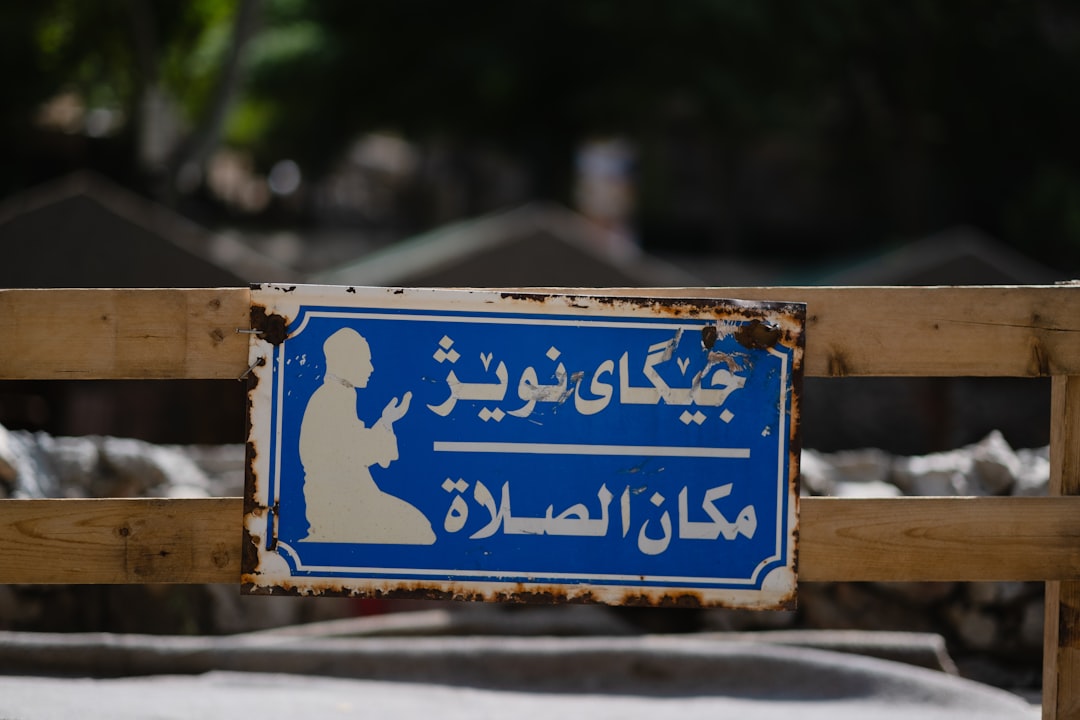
(975, 331)
(110, 541)
(939, 539)
(118, 334)
(897, 539)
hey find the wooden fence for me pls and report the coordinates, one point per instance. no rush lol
(942, 332)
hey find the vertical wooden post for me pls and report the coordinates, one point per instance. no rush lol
(1061, 639)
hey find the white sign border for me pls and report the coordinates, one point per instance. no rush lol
(273, 572)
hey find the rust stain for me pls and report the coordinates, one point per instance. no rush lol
(273, 517)
(249, 544)
(520, 593)
(252, 378)
(795, 460)
(666, 600)
(788, 331)
(676, 307)
(838, 364)
(546, 595)
(251, 453)
(758, 335)
(525, 297)
(709, 336)
(271, 327)
(1040, 360)
(249, 552)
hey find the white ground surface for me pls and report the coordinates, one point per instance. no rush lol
(733, 680)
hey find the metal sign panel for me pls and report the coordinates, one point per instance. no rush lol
(485, 445)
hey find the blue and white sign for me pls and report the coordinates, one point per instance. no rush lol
(484, 445)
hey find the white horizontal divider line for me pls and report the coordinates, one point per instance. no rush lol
(578, 449)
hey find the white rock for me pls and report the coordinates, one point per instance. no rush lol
(995, 464)
(869, 489)
(140, 469)
(35, 475)
(869, 465)
(7, 460)
(945, 473)
(77, 463)
(1033, 474)
(815, 473)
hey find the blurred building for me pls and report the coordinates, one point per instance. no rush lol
(536, 245)
(957, 256)
(84, 231)
(919, 415)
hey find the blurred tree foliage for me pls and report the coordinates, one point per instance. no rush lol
(790, 126)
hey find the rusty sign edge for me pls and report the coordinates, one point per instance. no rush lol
(273, 307)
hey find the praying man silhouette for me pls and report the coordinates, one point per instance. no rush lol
(337, 450)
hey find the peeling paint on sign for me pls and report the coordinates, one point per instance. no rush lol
(509, 446)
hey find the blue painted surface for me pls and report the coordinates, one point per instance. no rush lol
(502, 491)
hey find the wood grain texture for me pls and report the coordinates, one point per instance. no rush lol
(978, 331)
(119, 334)
(1061, 632)
(939, 539)
(1010, 331)
(120, 541)
(896, 539)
